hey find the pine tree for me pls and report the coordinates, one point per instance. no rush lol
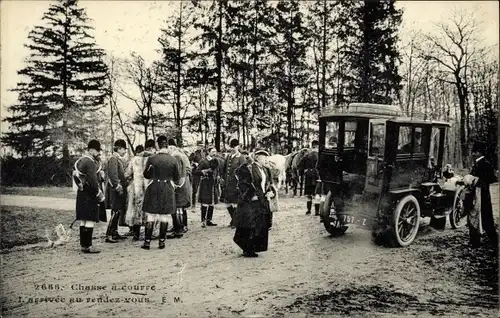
(64, 83)
(372, 50)
(289, 51)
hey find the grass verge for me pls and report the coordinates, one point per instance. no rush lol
(54, 192)
(22, 225)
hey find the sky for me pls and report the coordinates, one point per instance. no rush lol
(125, 26)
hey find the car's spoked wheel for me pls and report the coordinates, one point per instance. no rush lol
(406, 221)
(325, 210)
(458, 215)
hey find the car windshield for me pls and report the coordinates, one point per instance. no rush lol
(332, 135)
(377, 139)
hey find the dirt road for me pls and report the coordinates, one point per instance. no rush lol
(304, 272)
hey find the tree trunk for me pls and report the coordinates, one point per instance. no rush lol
(323, 62)
(219, 82)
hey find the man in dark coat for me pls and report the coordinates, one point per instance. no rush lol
(117, 185)
(311, 174)
(159, 198)
(478, 200)
(89, 195)
(208, 190)
(253, 217)
(230, 188)
(183, 194)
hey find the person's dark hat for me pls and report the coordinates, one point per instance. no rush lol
(234, 142)
(94, 144)
(479, 146)
(161, 139)
(150, 143)
(120, 143)
(315, 143)
(139, 149)
(261, 151)
(172, 142)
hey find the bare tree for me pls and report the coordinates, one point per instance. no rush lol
(116, 115)
(147, 81)
(453, 48)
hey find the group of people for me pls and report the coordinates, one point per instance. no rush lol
(157, 182)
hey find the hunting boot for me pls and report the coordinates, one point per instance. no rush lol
(185, 220)
(309, 205)
(203, 215)
(88, 241)
(136, 230)
(82, 236)
(316, 208)
(111, 226)
(163, 234)
(148, 232)
(209, 216)
(231, 214)
(116, 235)
(177, 233)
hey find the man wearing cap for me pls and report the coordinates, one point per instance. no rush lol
(311, 174)
(478, 199)
(183, 192)
(234, 160)
(159, 198)
(253, 217)
(117, 186)
(208, 189)
(89, 195)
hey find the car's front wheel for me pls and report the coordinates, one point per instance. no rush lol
(327, 210)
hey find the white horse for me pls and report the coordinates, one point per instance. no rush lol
(277, 165)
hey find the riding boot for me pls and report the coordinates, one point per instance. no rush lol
(163, 234)
(185, 220)
(309, 205)
(116, 235)
(177, 233)
(88, 241)
(316, 208)
(210, 215)
(82, 236)
(230, 209)
(148, 232)
(136, 229)
(203, 215)
(113, 223)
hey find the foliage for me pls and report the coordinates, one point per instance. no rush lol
(63, 83)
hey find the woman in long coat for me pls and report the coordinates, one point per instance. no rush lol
(209, 188)
(253, 217)
(478, 198)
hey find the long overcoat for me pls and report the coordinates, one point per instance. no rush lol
(162, 169)
(137, 185)
(87, 202)
(478, 199)
(183, 195)
(253, 217)
(230, 184)
(209, 189)
(116, 177)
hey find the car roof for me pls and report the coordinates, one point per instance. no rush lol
(392, 113)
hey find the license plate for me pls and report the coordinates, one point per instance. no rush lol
(343, 219)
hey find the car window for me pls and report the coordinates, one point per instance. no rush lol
(332, 135)
(377, 132)
(434, 148)
(404, 140)
(350, 134)
(417, 147)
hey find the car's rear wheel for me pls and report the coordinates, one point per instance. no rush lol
(405, 221)
(457, 216)
(325, 211)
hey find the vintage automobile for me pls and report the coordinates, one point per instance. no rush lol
(382, 171)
